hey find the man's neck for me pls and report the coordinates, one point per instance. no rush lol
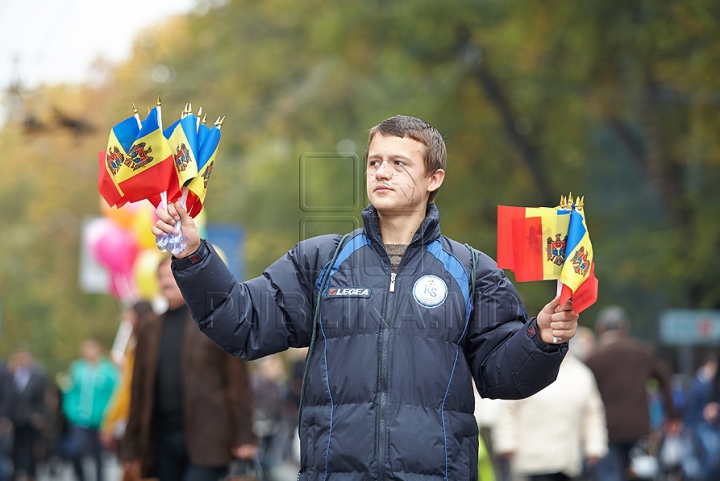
(399, 229)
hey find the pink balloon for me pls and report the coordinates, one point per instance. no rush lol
(94, 230)
(116, 249)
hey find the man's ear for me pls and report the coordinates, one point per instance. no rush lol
(436, 180)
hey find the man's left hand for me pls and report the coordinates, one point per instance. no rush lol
(557, 323)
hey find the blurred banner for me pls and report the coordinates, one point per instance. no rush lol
(229, 241)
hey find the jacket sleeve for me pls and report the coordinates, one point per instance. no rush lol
(507, 357)
(261, 316)
(240, 399)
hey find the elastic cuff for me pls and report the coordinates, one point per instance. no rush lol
(534, 332)
(198, 256)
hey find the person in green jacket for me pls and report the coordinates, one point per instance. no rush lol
(88, 390)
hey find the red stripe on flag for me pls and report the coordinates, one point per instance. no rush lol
(505, 254)
(528, 249)
(106, 186)
(160, 177)
(585, 295)
(194, 205)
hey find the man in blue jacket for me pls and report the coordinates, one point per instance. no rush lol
(399, 320)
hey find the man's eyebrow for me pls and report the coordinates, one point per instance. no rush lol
(390, 157)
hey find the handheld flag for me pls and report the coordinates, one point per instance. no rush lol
(148, 168)
(119, 145)
(182, 140)
(206, 159)
(578, 273)
(544, 243)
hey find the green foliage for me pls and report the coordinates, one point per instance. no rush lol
(613, 100)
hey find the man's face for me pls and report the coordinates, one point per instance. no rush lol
(168, 286)
(396, 177)
(90, 350)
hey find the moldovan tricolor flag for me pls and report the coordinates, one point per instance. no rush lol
(148, 168)
(578, 273)
(182, 140)
(531, 241)
(119, 144)
(534, 243)
(206, 159)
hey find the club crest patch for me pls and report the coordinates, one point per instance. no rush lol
(430, 291)
(349, 292)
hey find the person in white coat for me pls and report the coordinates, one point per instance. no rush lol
(567, 419)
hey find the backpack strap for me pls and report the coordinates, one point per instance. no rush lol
(473, 267)
(316, 314)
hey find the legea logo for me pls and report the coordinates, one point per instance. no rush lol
(349, 292)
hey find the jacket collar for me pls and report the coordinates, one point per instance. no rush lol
(428, 231)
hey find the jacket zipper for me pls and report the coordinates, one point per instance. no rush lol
(382, 432)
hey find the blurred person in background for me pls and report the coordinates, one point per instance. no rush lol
(701, 433)
(90, 383)
(6, 391)
(117, 413)
(268, 383)
(584, 343)
(54, 432)
(191, 403)
(622, 367)
(28, 411)
(551, 435)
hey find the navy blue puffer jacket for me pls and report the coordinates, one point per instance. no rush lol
(389, 392)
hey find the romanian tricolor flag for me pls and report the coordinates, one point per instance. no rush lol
(148, 168)
(182, 140)
(541, 243)
(119, 144)
(206, 159)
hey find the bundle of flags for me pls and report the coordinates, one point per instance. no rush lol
(542, 243)
(143, 161)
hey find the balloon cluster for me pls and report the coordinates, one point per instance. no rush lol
(122, 243)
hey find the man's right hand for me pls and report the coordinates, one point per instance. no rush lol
(166, 226)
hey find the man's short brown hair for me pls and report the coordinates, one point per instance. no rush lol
(421, 131)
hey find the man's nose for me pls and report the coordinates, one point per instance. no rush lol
(383, 171)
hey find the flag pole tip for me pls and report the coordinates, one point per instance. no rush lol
(159, 102)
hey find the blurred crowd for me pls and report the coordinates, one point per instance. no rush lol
(76, 423)
(613, 414)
